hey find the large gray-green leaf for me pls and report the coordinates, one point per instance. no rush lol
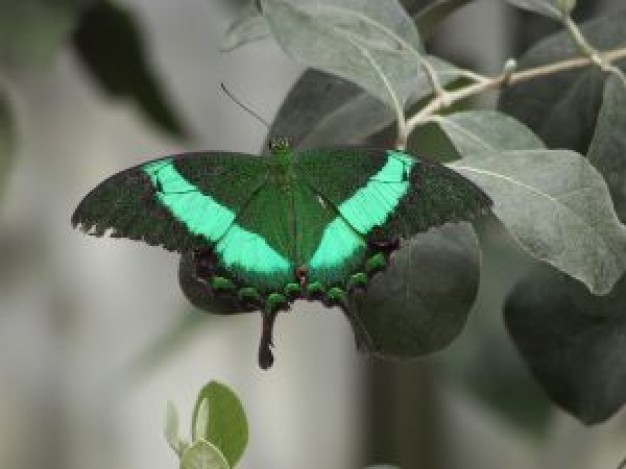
(324, 110)
(479, 131)
(559, 209)
(607, 151)
(203, 455)
(556, 9)
(572, 341)
(33, 31)
(362, 115)
(372, 43)
(250, 26)
(562, 108)
(420, 303)
(219, 417)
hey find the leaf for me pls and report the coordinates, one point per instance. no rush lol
(171, 429)
(572, 341)
(557, 206)
(562, 108)
(409, 310)
(219, 417)
(33, 31)
(479, 131)
(372, 43)
(109, 45)
(324, 110)
(250, 26)
(428, 18)
(556, 9)
(203, 455)
(607, 151)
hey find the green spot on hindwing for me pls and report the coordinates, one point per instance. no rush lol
(315, 288)
(376, 263)
(222, 284)
(358, 280)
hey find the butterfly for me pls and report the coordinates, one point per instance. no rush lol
(263, 231)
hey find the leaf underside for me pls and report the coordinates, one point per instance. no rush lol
(572, 341)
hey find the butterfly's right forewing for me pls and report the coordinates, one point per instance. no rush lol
(181, 203)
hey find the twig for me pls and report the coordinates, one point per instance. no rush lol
(506, 79)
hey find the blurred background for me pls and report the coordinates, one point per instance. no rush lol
(96, 336)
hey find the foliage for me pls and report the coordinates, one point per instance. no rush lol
(219, 430)
(551, 159)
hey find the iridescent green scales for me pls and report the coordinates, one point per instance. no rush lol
(267, 230)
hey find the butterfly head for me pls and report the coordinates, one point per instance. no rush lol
(280, 146)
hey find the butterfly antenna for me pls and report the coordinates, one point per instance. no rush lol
(243, 106)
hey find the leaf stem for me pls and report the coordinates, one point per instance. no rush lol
(588, 50)
(506, 78)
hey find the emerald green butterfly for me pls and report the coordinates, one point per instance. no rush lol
(265, 231)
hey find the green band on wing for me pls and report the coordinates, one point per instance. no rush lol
(200, 213)
(371, 205)
(342, 240)
(245, 253)
(339, 243)
(253, 259)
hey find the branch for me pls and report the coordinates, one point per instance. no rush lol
(505, 79)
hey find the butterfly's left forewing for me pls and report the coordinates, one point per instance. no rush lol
(388, 192)
(181, 202)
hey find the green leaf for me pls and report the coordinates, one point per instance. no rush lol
(572, 341)
(250, 26)
(409, 311)
(372, 43)
(607, 151)
(203, 455)
(562, 108)
(219, 417)
(109, 44)
(479, 131)
(171, 429)
(557, 206)
(428, 18)
(33, 31)
(555, 9)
